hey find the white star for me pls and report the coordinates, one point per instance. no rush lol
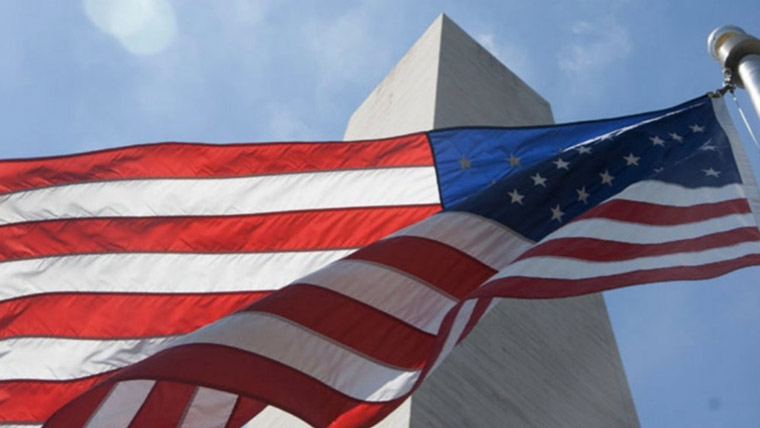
(675, 136)
(606, 177)
(584, 149)
(465, 163)
(557, 213)
(607, 137)
(657, 141)
(631, 160)
(516, 197)
(561, 164)
(583, 195)
(696, 128)
(538, 180)
(711, 173)
(513, 160)
(708, 146)
(658, 170)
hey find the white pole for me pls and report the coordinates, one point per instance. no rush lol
(738, 54)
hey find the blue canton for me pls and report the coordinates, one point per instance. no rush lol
(535, 195)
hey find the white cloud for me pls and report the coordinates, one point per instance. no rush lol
(284, 125)
(510, 55)
(487, 41)
(12, 71)
(348, 46)
(596, 45)
(143, 27)
(246, 12)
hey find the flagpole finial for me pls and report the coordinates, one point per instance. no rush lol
(729, 45)
(721, 34)
(738, 54)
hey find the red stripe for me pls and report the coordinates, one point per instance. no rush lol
(33, 401)
(477, 313)
(103, 315)
(245, 409)
(540, 288)
(86, 405)
(443, 333)
(604, 251)
(655, 214)
(174, 160)
(335, 228)
(354, 324)
(447, 268)
(165, 405)
(244, 373)
(222, 367)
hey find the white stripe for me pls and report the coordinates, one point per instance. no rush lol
(483, 239)
(553, 267)
(658, 192)
(218, 196)
(121, 405)
(47, 358)
(15, 425)
(210, 408)
(634, 233)
(159, 273)
(272, 417)
(387, 290)
(742, 163)
(309, 353)
(460, 322)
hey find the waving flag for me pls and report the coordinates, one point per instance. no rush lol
(112, 256)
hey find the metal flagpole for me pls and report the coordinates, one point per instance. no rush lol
(738, 53)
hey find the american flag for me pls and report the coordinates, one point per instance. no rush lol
(107, 255)
(112, 256)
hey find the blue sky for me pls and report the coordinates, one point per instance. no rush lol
(82, 75)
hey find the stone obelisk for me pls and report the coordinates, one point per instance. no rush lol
(538, 363)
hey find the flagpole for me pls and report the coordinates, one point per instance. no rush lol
(738, 53)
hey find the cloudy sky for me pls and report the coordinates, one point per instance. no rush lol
(82, 75)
